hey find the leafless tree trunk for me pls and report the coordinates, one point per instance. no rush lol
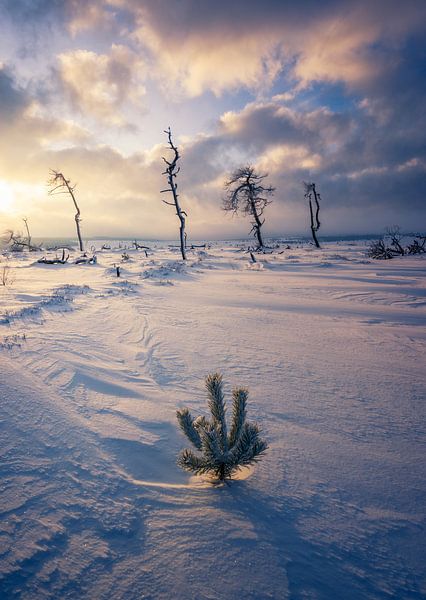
(171, 172)
(257, 224)
(28, 232)
(55, 261)
(315, 223)
(60, 185)
(139, 246)
(246, 193)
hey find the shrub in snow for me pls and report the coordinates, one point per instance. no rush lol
(418, 245)
(379, 250)
(220, 453)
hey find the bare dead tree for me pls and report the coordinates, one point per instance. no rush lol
(377, 249)
(56, 260)
(58, 184)
(418, 245)
(312, 194)
(28, 231)
(246, 194)
(86, 260)
(139, 246)
(395, 235)
(171, 172)
(382, 249)
(18, 242)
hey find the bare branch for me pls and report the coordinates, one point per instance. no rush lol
(245, 193)
(58, 181)
(311, 193)
(171, 174)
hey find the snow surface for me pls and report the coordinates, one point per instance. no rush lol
(332, 348)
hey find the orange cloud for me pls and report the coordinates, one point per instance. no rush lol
(217, 62)
(99, 85)
(195, 48)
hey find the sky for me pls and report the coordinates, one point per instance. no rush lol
(331, 92)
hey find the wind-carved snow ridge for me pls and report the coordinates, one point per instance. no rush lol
(63, 507)
(59, 300)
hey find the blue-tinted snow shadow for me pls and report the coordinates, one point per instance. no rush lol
(323, 571)
(151, 462)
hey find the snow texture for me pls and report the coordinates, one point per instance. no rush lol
(332, 348)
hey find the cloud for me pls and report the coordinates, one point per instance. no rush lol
(100, 85)
(363, 167)
(263, 125)
(215, 63)
(346, 84)
(197, 46)
(12, 99)
(84, 16)
(202, 46)
(25, 127)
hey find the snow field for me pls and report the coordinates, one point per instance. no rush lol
(331, 347)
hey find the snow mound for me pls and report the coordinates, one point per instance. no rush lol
(59, 300)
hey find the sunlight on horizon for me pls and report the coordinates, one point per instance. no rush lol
(6, 197)
(17, 197)
(302, 99)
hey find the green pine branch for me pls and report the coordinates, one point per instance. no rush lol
(220, 454)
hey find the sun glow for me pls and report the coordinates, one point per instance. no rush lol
(7, 197)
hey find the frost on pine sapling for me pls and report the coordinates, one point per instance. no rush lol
(220, 453)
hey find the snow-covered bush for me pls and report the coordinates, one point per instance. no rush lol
(220, 453)
(377, 249)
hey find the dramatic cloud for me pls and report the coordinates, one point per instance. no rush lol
(220, 46)
(330, 91)
(100, 85)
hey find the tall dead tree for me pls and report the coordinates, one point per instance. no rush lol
(28, 232)
(246, 194)
(58, 184)
(312, 195)
(171, 172)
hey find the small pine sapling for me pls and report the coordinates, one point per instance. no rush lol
(220, 453)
